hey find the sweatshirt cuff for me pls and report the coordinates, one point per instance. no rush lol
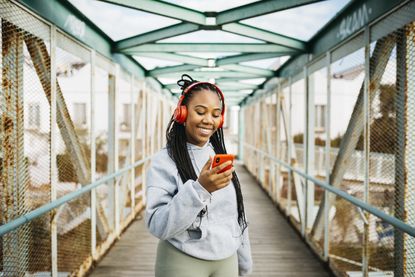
(204, 195)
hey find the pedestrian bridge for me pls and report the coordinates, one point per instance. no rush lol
(320, 111)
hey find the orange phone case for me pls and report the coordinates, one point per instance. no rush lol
(220, 159)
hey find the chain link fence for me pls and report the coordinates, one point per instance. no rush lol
(101, 127)
(358, 136)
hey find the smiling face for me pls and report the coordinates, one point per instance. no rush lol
(203, 116)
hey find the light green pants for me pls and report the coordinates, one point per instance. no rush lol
(171, 262)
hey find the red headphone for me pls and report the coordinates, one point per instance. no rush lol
(180, 113)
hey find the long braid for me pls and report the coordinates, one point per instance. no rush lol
(177, 149)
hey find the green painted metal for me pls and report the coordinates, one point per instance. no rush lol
(172, 69)
(350, 21)
(258, 8)
(249, 69)
(236, 86)
(167, 32)
(174, 57)
(252, 57)
(257, 33)
(69, 19)
(207, 47)
(164, 9)
(356, 202)
(13, 225)
(205, 75)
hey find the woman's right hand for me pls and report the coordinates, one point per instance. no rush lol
(211, 180)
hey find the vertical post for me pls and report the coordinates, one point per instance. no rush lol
(132, 143)
(53, 136)
(241, 139)
(144, 139)
(93, 160)
(290, 145)
(366, 150)
(327, 153)
(400, 174)
(111, 148)
(309, 149)
(117, 203)
(278, 142)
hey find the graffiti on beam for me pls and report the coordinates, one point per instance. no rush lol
(354, 22)
(75, 26)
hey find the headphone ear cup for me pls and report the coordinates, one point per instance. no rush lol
(180, 114)
(221, 122)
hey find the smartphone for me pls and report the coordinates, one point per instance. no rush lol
(220, 159)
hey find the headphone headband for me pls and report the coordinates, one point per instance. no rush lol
(189, 88)
(180, 113)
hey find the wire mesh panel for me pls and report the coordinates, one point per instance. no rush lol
(24, 140)
(124, 114)
(73, 152)
(139, 142)
(298, 106)
(101, 107)
(347, 159)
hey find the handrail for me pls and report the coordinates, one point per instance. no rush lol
(390, 219)
(14, 224)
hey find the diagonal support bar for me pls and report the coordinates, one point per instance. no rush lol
(149, 37)
(258, 8)
(264, 35)
(162, 8)
(378, 62)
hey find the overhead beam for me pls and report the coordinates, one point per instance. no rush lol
(252, 57)
(206, 47)
(172, 69)
(257, 9)
(174, 58)
(163, 9)
(236, 86)
(257, 33)
(163, 33)
(249, 69)
(204, 75)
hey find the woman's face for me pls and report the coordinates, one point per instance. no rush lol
(203, 116)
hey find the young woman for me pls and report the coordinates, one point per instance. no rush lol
(197, 213)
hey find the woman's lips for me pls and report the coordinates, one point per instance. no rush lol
(204, 131)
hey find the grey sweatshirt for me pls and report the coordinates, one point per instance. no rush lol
(173, 211)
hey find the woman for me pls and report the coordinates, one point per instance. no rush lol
(196, 212)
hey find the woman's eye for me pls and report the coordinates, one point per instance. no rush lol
(199, 113)
(216, 115)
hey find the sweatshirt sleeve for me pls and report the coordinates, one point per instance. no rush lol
(170, 211)
(244, 255)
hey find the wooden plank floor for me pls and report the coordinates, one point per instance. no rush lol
(277, 249)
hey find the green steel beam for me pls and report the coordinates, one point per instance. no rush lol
(251, 57)
(207, 47)
(167, 32)
(257, 33)
(174, 57)
(204, 75)
(350, 21)
(69, 19)
(249, 69)
(164, 9)
(172, 69)
(236, 86)
(258, 8)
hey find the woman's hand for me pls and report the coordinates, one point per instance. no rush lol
(211, 180)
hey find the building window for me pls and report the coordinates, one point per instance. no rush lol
(79, 115)
(34, 115)
(126, 118)
(320, 118)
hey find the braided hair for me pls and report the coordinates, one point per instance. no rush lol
(177, 147)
